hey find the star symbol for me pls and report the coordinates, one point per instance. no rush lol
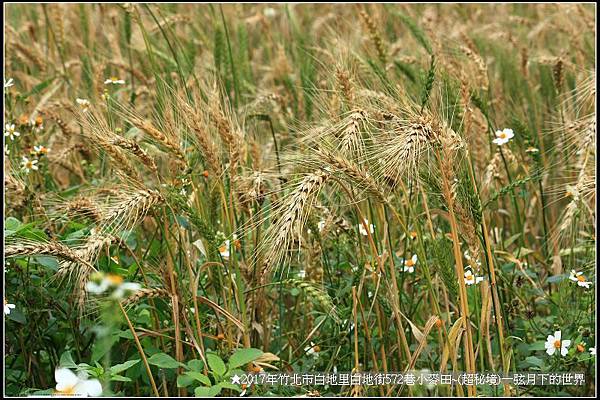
(235, 379)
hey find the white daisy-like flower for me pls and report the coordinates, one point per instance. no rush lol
(321, 225)
(312, 350)
(125, 289)
(363, 231)
(580, 279)
(503, 136)
(224, 249)
(97, 288)
(69, 384)
(11, 132)
(40, 150)
(83, 103)
(37, 124)
(29, 165)
(113, 80)
(7, 307)
(409, 265)
(555, 342)
(100, 283)
(592, 351)
(10, 82)
(471, 279)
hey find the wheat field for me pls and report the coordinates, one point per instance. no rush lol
(199, 192)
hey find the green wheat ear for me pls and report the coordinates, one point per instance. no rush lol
(428, 83)
(416, 31)
(442, 250)
(318, 296)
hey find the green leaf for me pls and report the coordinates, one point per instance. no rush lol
(202, 391)
(216, 364)
(199, 377)
(556, 278)
(115, 369)
(119, 378)
(163, 360)
(243, 357)
(66, 360)
(47, 261)
(11, 224)
(38, 88)
(537, 346)
(184, 380)
(101, 347)
(196, 365)
(229, 385)
(533, 360)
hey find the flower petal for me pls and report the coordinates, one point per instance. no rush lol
(65, 378)
(90, 387)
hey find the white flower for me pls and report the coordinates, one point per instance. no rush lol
(69, 384)
(29, 165)
(409, 265)
(125, 288)
(114, 80)
(580, 279)
(269, 12)
(321, 225)
(224, 249)
(9, 131)
(503, 136)
(532, 150)
(472, 279)
(7, 307)
(102, 282)
(84, 103)
(302, 274)
(97, 288)
(37, 123)
(362, 230)
(554, 342)
(10, 82)
(312, 350)
(40, 150)
(592, 351)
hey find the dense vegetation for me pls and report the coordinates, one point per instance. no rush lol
(194, 191)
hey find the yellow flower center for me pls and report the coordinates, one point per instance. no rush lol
(557, 344)
(70, 390)
(470, 278)
(410, 263)
(114, 78)
(502, 135)
(114, 279)
(223, 249)
(581, 278)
